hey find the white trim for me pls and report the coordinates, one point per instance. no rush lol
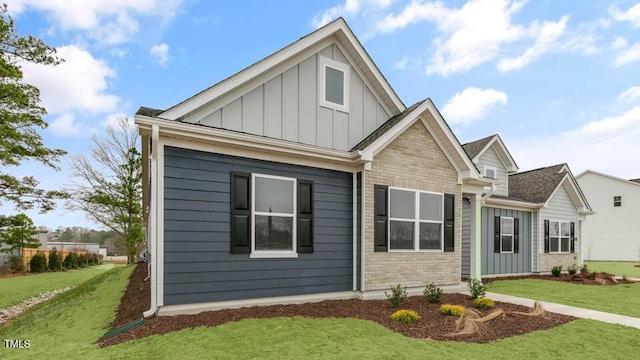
(511, 204)
(153, 219)
(576, 196)
(273, 253)
(512, 234)
(492, 168)
(324, 63)
(416, 220)
(160, 223)
(187, 309)
(509, 163)
(363, 230)
(559, 237)
(607, 176)
(354, 215)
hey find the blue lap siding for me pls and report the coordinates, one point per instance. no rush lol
(198, 266)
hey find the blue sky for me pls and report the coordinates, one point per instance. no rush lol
(558, 80)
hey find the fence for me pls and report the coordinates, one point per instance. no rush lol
(27, 254)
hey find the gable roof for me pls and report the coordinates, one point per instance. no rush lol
(635, 180)
(475, 149)
(386, 126)
(337, 30)
(630, 181)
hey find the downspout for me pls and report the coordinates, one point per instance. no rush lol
(153, 219)
(487, 195)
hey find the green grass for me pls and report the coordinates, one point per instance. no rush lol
(68, 326)
(619, 268)
(617, 299)
(19, 288)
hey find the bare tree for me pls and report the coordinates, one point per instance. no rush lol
(108, 185)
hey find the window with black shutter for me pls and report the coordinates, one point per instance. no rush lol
(305, 216)
(240, 213)
(546, 236)
(449, 222)
(573, 237)
(381, 217)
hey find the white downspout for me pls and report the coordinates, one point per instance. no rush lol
(487, 195)
(153, 219)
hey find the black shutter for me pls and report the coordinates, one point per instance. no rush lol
(240, 213)
(516, 235)
(573, 237)
(304, 223)
(380, 216)
(546, 236)
(496, 234)
(449, 220)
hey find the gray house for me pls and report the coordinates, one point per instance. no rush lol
(301, 178)
(527, 222)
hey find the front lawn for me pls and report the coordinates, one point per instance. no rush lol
(619, 268)
(19, 288)
(617, 299)
(69, 325)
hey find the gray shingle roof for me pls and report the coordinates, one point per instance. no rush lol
(537, 185)
(388, 125)
(145, 111)
(635, 180)
(473, 148)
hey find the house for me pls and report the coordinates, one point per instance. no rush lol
(527, 222)
(613, 233)
(301, 178)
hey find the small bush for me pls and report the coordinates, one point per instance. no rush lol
(573, 269)
(83, 260)
(71, 261)
(584, 268)
(16, 264)
(476, 288)
(556, 270)
(398, 295)
(405, 316)
(38, 262)
(433, 293)
(483, 303)
(624, 277)
(55, 263)
(453, 310)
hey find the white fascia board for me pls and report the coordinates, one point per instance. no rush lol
(626, 181)
(576, 196)
(511, 204)
(503, 154)
(203, 134)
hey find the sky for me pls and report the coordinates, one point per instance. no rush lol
(558, 80)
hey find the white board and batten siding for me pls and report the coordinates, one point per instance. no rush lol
(287, 107)
(490, 158)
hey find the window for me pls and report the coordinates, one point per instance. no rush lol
(617, 201)
(415, 220)
(559, 236)
(506, 234)
(334, 84)
(271, 216)
(490, 172)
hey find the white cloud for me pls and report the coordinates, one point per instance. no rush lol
(160, 52)
(628, 55)
(413, 13)
(472, 104)
(609, 145)
(349, 8)
(119, 52)
(630, 95)
(547, 36)
(78, 84)
(65, 126)
(632, 15)
(108, 22)
(402, 63)
(619, 43)
(113, 120)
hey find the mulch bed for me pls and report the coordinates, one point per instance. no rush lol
(433, 325)
(591, 278)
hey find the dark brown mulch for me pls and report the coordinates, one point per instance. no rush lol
(136, 298)
(591, 278)
(433, 325)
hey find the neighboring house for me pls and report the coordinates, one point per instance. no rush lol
(302, 177)
(528, 221)
(613, 233)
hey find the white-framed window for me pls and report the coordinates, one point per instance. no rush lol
(506, 234)
(490, 172)
(273, 215)
(617, 201)
(559, 236)
(415, 220)
(333, 78)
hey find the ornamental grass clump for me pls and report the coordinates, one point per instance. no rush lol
(405, 316)
(536, 310)
(471, 322)
(483, 303)
(398, 295)
(433, 293)
(452, 310)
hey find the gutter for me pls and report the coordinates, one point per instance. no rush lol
(153, 226)
(487, 195)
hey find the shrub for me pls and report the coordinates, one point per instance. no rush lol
(572, 269)
(556, 270)
(398, 295)
(476, 288)
(405, 316)
(584, 268)
(55, 263)
(624, 277)
(16, 264)
(453, 310)
(71, 261)
(483, 303)
(38, 262)
(433, 293)
(82, 260)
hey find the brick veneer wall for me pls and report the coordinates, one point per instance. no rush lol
(415, 161)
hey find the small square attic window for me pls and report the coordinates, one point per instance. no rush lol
(617, 201)
(490, 172)
(333, 78)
